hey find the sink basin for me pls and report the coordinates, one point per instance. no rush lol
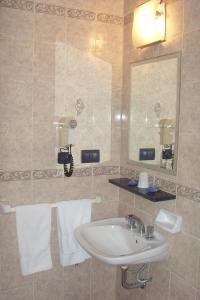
(111, 241)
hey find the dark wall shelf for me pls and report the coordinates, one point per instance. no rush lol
(154, 197)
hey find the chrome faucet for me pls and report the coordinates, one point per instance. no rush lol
(135, 223)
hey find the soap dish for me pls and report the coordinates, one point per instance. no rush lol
(168, 221)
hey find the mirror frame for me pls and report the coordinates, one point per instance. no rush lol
(142, 62)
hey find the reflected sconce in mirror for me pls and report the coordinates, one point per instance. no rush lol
(149, 24)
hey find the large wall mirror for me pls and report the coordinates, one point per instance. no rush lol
(153, 113)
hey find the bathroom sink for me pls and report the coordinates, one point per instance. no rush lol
(111, 241)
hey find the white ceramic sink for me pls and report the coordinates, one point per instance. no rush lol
(111, 241)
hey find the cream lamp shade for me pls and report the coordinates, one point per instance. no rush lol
(149, 23)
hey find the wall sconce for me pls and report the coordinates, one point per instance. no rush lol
(149, 23)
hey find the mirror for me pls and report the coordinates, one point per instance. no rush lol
(153, 113)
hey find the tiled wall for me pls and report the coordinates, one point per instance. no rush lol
(29, 32)
(53, 53)
(35, 43)
(177, 278)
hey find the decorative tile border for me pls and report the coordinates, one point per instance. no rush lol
(106, 170)
(81, 14)
(15, 175)
(128, 19)
(111, 19)
(188, 193)
(127, 172)
(50, 9)
(18, 4)
(79, 172)
(57, 173)
(165, 185)
(47, 174)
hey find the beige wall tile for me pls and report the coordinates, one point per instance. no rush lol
(49, 62)
(50, 28)
(44, 141)
(49, 284)
(16, 192)
(174, 18)
(189, 210)
(44, 132)
(81, 34)
(188, 159)
(51, 54)
(53, 2)
(16, 127)
(77, 281)
(126, 203)
(80, 4)
(11, 277)
(153, 208)
(109, 41)
(76, 188)
(104, 210)
(109, 191)
(191, 12)
(17, 24)
(21, 293)
(189, 108)
(180, 290)
(103, 286)
(184, 257)
(110, 7)
(159, 287)
(198, 295)
(15, 60)
(173, 44)
(45, 191)
(190, 56)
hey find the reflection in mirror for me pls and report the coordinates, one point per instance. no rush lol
(153, 119)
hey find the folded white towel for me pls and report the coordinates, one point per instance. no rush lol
(71, 214)
(33, 233)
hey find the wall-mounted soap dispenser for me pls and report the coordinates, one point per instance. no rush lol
(65, 139)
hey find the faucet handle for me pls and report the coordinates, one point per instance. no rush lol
(129, 217)
(149, 232)
(131, 221)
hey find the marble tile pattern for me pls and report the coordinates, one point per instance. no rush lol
(45, 174)
(106, 170)
(166, 185)
(30, 32)
(18, 4)
(188, 192)
(128, 19)
(57, 173)
(60, 283)
(176, 278)
(49, 9)
(15, 175)
(53, 52)
(105, 18)
(58, 10)
(81, 14)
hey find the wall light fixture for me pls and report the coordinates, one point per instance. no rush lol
(149, 23)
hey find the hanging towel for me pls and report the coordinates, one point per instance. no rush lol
(33, 233)
(71, 214)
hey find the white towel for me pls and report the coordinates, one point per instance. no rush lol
(71, 214)
(33, 233)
